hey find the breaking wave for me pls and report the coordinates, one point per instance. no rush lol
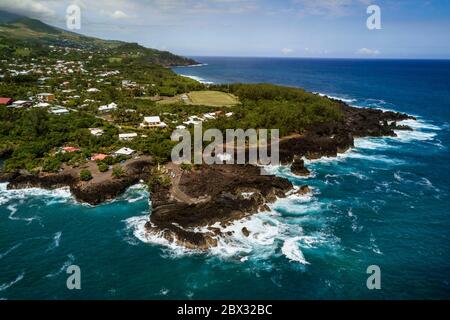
(7, 285)
(55, 242)
(14, 247)
(270, 233)
(65, 265)
(12, 215)
(292, 251)
(61, 195)
(196, 78)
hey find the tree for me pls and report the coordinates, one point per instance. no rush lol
(51, 165)
(118, 172)
(102, 167)
(85, 175)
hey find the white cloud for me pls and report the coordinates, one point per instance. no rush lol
(118, 14)
(31, 8)
(287, 51)
(368, 52)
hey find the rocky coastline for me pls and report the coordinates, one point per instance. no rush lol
(221, 194)
(92, 192)
(185, 210)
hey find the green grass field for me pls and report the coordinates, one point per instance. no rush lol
(212, 98)
(115, 60)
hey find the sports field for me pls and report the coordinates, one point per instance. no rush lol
(212, 98)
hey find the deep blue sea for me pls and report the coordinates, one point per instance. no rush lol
(384, 203)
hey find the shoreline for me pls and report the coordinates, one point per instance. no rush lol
(184, 203)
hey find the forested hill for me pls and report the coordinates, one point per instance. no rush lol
(16, 31)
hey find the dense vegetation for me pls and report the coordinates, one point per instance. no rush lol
(33, 138)
(291, 110)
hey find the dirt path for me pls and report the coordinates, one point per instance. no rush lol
(175, 174)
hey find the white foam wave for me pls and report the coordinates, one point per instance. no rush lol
(419, 124)
(292, 251)
(354, 154)
(196, 78)
(12, 215)
(196, 65)
(373, 246)
(268, 232)
(422, 131)
(371, 143)
(347, 100)
(374, 158)
(137, 226)
(58, 195)
(66, 264)
(136, 193)
(55, 242)
(5, 286)
(409, 136)
(4, 254)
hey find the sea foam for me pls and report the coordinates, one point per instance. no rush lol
(270, 233)
(196, 78)
(7, 285)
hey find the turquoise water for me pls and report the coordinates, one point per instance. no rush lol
(384, 203)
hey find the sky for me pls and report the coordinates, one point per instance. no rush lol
(276, 28)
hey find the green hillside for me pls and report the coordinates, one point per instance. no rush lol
(16, 30)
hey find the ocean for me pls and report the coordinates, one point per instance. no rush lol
(384, 203)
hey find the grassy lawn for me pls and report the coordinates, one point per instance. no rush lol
(115, 60)
(212, 98)
(169, 100)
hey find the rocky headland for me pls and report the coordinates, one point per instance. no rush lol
(187, 203)
(185, 210)
(103, 187)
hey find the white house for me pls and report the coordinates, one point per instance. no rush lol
(153, 122)
(181, 127)
(128, 84)
(108, 107)
(59, 111)
(124, 152)
(194, 120)
(93, 90)
(127, 136)
(19, 104)
(96, 132)
(209, 116)
(42, 105)
(45, 97)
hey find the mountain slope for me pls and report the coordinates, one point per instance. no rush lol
(18, 29)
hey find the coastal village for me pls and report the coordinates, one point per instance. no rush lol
(70, 81)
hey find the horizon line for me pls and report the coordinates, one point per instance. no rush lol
(318, 58)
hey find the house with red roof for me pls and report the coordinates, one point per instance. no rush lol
(6, 101)
(71, 149)
(99, 157)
